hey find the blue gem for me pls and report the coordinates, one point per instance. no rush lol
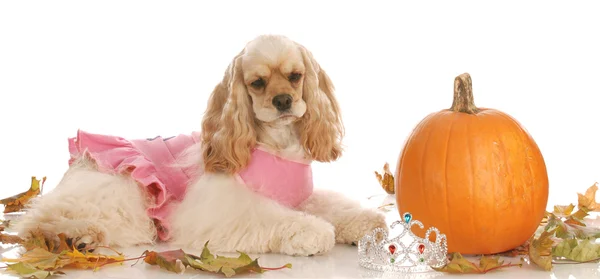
(407, 217)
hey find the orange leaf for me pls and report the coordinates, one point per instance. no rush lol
(18, 201)
(386, 180)
(10, 239)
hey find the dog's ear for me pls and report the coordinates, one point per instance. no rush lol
(321, 126)
(228, 132)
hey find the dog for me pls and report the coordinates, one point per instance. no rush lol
(242, 183)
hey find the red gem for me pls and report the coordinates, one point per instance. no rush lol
(421, 248)
(392, 248)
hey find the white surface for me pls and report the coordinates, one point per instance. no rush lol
(341, 262)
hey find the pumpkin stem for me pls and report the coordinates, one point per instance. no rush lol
(463, 95)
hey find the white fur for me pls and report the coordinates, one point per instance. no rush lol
(93, 208)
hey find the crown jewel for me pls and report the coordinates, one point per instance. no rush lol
(405, 252)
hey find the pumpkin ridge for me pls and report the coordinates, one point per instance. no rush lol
(472, 182)
(525, 142)
(434, 117)
(505, 157)
(495, 195)
(445, 187)
(494, 189)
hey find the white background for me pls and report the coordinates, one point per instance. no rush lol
(138, 69)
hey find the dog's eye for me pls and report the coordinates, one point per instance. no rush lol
(258, 83)
(295, 77)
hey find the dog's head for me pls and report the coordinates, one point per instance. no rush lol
(273, 81)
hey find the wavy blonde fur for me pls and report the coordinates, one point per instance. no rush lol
(228, 131)
(321, 128)
(229, 128)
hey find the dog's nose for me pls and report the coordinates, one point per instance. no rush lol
(282, 102)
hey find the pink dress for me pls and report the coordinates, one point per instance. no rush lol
(151, 162)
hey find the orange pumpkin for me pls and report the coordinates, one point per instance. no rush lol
(474, 173)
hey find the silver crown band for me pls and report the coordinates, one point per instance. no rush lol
(411, 254)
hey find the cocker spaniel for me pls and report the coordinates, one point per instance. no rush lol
(243, 183)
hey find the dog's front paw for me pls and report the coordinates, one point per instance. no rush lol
(359, 225)
(83, 235)
(310, 236)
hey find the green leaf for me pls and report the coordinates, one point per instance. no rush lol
(225, 265)
(579, 251)
(28, 271)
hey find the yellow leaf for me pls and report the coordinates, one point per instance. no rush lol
(38, 258)
(563, 210)
(588, 200)
(18, 201)
(386, 180)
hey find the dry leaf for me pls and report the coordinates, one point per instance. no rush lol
(520, 250)
(10, 239)
(28, 271)
(387, 207)
(36, 239)
(225, 265)
(177, 260)
(88, 260)
(44, 257)
(386, 180)
(18, 201)
(571, 229)
(4, 225)
(45, 254)
(588, 200)
(459, 264)
(169, 260)
(540, 250)
(577, 250)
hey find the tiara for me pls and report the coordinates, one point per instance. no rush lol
(405, 252)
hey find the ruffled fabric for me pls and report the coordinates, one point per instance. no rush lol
(152, 163)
